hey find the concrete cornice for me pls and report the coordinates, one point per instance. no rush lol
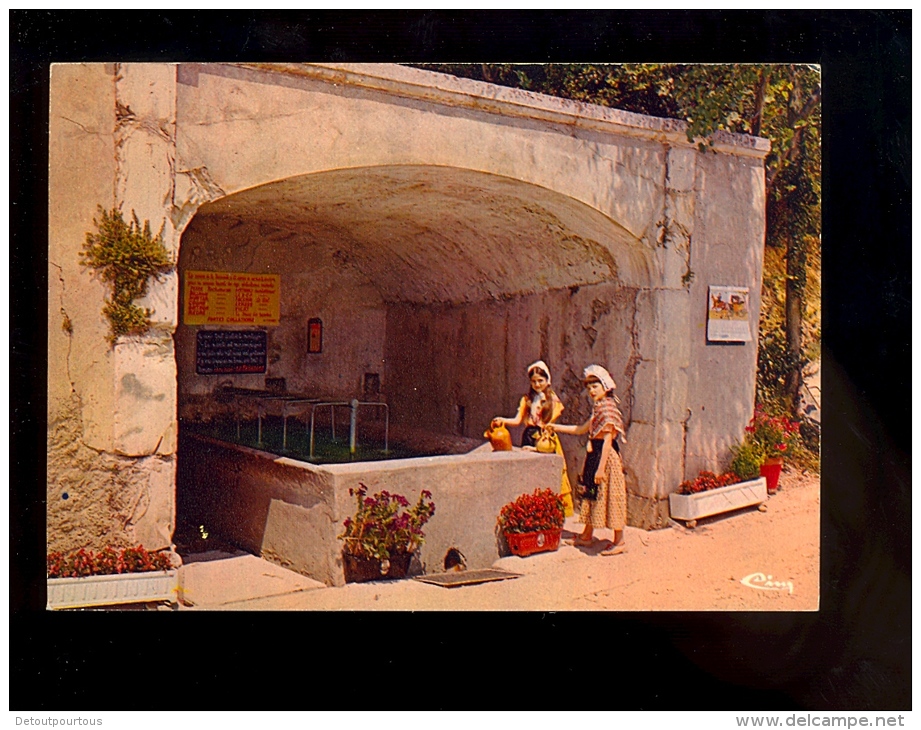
(452, 91)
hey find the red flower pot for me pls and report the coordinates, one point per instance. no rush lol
(770, 470)
(359, 569)
(528, 543)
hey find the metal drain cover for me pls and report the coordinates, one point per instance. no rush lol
(466, 577)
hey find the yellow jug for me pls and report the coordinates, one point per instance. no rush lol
(546, 442)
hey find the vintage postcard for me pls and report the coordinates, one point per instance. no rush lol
(345, 336)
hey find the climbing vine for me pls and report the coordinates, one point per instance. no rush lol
(126, 256)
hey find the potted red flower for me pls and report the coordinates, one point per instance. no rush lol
(710, 494)
(771, 436)
(111, 576)
(533, 522)
(707, 480)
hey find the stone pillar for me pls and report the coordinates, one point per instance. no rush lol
(145, 426)
(654, 455)
(111, 410)
(728, 249)
(81, 176)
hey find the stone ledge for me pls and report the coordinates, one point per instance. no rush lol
(435, 87)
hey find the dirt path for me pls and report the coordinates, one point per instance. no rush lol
(703, 569)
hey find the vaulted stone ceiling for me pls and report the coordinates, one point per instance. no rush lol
(426, 234)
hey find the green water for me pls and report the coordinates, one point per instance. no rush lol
(325, 449)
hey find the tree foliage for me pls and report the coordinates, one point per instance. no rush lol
(781, 102)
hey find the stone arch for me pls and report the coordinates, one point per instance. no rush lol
(497, 234)
(415, 249)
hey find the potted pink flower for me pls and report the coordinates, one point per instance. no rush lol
(380, 539)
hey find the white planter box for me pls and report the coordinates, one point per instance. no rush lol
(107, 590)
(691, 507)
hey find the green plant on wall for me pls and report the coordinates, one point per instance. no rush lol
(126, 256)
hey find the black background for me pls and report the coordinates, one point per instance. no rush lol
(855, 653)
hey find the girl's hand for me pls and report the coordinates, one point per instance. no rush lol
(497, 421)
(599, 475)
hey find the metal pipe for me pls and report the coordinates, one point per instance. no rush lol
(352, 425)
(284, 426)
(313, 412)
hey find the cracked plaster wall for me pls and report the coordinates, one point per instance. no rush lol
(728, 249)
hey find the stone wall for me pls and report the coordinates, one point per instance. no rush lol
(442, 359)
(728, 250)
(111, 409)
(351, 310)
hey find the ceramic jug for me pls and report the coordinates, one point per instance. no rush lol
(499, 436)
(546, 442)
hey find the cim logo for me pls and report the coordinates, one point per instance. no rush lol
(767, 583)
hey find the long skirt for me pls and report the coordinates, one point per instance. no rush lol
(609, 509)
(565, 487)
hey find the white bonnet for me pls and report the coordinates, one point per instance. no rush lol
(539, 364)
(603, 376)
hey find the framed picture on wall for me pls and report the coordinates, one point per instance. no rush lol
(315, 335)
(728, 314)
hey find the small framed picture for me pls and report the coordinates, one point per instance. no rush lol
(728, 317)
(315, 335)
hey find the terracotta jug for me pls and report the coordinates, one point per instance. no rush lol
(499, 436)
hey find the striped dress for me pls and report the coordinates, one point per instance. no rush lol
(609, 509)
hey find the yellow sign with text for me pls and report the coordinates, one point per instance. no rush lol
(224, 297)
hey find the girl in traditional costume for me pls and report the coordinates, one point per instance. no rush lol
(603, 489)
(538, 408)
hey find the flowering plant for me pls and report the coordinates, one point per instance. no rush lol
(707, 480)
(108, 561)
(542, 510)
(382, 527)
(771, 435)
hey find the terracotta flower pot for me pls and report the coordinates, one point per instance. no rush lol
(523, 544)
(359, 569)
(770, 470)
